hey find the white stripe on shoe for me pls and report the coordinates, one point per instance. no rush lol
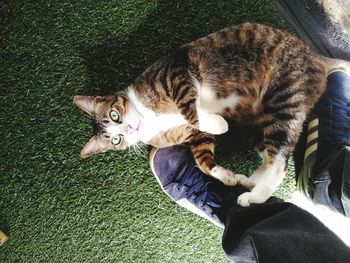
(311, 138)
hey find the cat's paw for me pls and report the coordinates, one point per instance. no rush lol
(248, 198)
(227, 177)
(212, 123)
(244, 199)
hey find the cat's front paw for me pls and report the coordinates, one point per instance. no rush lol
(227, 177)
(248, 198)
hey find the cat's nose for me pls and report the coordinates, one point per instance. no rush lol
(130, 129)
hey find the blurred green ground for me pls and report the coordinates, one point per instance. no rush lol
(56, 207)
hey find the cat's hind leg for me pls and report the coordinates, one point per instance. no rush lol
(202, 146)
(279, 139)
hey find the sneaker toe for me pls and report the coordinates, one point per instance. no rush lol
(171, 162)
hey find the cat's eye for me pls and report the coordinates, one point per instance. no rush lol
(117, 139)
(115, 116)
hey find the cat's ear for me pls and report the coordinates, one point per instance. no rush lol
(92, 147)
(86, 103)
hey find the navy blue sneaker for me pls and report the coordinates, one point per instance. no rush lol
(180, 178)
(325, 174)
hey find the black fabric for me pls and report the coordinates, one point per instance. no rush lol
(314, 26)
(281, 232)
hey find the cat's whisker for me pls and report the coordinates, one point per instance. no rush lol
(138, 149)
(135, 149)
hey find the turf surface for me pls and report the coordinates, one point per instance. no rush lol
(56, 207)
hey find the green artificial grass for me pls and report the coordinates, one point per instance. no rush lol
(56, 207)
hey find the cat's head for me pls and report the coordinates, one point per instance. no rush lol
(116, 123)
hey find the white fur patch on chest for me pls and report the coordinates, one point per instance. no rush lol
(164, 122)
(207, 100)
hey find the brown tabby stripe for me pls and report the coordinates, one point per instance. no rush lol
(260, 146)
(277, 139)
(271, 151)
(285, 106)
(183, 92)
(178, 86)
(200, 141)
(163, 79)
(188, 109)
(199, 154)
(204, 156)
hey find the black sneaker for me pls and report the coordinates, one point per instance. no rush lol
(325, 174)
(180, 178)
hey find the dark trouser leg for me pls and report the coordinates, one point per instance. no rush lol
(280, 232)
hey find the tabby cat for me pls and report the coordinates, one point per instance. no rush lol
(251, 73)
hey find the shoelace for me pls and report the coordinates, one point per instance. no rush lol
(198, 187)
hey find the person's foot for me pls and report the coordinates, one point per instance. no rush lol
(180, 178)
(328, 134)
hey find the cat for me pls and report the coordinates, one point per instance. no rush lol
(250, 73)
